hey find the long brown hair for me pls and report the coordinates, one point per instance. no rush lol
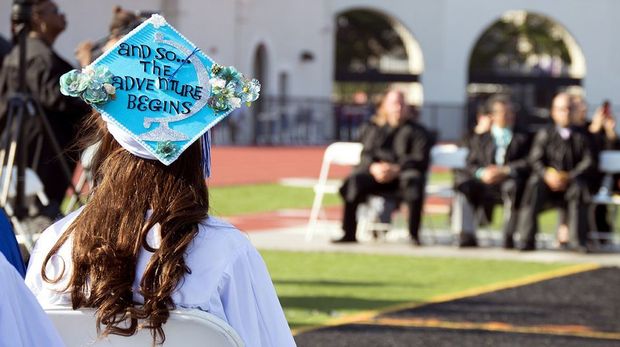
(111, 230)
(380, 118)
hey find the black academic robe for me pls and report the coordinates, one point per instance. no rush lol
(482, 151)
(576, 155)
(408, 146)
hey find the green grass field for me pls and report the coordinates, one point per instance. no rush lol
(316, 287)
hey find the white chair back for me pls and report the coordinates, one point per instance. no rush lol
(343, 153)
(609, 162)
(184, 328)
(449, 156)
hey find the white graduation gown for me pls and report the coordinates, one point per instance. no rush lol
(23, 323)
(228, 279)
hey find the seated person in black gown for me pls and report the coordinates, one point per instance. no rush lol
(498, 169)
(394, 160)
(563, 162)
(602, 131)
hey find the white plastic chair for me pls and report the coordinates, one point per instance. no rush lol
(450, 157)
(609, 164)
(185, 327)
(446, 156)
(338, 153)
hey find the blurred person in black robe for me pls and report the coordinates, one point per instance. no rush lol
(498, 170)
(462, 214)
(602, 132)
(563, 161)
(123, 21)
(43, 70)
(394, 160)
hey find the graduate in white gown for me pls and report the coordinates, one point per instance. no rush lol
(22, 320)
(145, 243)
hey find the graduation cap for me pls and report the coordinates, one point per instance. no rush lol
(159, 93)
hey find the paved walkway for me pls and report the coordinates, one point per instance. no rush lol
(286, 230)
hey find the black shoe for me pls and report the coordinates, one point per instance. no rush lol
(467, 240)
(508, 243)
(416, 241)
(345, 239)
(582, 249)
(527, 248)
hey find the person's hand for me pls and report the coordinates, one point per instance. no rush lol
(377, 170)
(556, 180)
(493, 174)
(392, 172)
(597, 121)
(483, 125)
(383, 172)
(609, 125)
(84, 53)
(109, 44)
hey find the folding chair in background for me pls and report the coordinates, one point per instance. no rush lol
(609, 164)
(338, 153)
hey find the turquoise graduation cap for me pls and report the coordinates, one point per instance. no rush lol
(160, 89)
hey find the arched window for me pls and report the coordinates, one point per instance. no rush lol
(528, 56)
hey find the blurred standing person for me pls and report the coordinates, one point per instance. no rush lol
(563, 161)
(122, 22)
(497, 165)
(43, 70)
(395, 159)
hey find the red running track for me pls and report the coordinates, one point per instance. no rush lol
(251, 165)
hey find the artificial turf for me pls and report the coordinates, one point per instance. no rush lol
(316, 287)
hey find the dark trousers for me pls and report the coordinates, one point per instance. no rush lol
(538, 196)
(409, 187)
(509, 193)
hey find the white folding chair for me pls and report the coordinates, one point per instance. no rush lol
(338, 153)
(609, 164)
(185, 327)
(450, 157)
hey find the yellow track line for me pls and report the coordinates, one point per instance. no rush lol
(560, 330)
(371, 314)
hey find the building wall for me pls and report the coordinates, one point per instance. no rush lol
(446, 30)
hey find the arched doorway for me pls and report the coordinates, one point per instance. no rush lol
(372, 51)
(529, 57)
